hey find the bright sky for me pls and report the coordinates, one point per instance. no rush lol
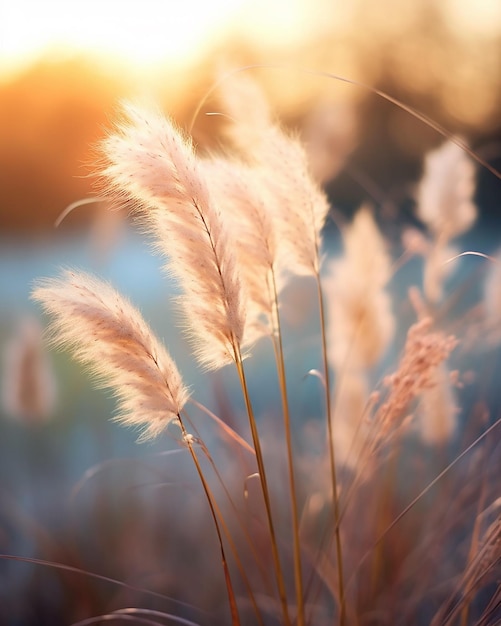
(475, 17)
(143, 32)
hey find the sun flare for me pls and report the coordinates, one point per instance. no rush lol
(140, 33)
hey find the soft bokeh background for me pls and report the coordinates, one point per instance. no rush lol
(64, 67)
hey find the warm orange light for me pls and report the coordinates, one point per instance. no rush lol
(474, 18)
(141, 32)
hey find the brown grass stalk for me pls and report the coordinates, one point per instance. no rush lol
(264, 485)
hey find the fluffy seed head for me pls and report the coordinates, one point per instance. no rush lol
(301, 207)
(361, 322)
(105, 332)
(245, 205)
(445, 194)
(425, 352)
(152, 162)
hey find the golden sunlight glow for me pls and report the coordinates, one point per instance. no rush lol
(474, 17)
(148, 33)
(139, 32)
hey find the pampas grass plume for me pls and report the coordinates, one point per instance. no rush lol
(246, 205)
(425, 352)
(301, 208)
(445, 194)
(29, 388)
(105, 332)
(361, 323)
(150, 161)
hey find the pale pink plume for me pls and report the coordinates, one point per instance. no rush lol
(361, 323)
(301, 207)
(445, 194)
(151, 162)
(425, 354)
(104, 331)
(28, 384)
(245, 205)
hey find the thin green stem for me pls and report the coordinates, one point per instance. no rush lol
(264, 484)
(332, 460)
(279, 358)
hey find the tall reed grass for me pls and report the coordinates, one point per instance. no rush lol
(365, 513)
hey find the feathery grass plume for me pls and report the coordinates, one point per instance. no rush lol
(361, 323)
(445, 205)
(425, 351)
(151, 162)
(301, 207)
(445, 193)
(29, 388)
(245, 204)
(300, 212)
(104, 331)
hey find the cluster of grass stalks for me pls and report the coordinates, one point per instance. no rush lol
(364, 513)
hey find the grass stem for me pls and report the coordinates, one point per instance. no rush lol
(332, 460)
(279, 358)
(264, 485)
(235, 620)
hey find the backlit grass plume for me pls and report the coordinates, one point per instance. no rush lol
(150, 162)
(302, 208)
(446, 206)
(104, 331)
(361, 322)
(247, 207)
